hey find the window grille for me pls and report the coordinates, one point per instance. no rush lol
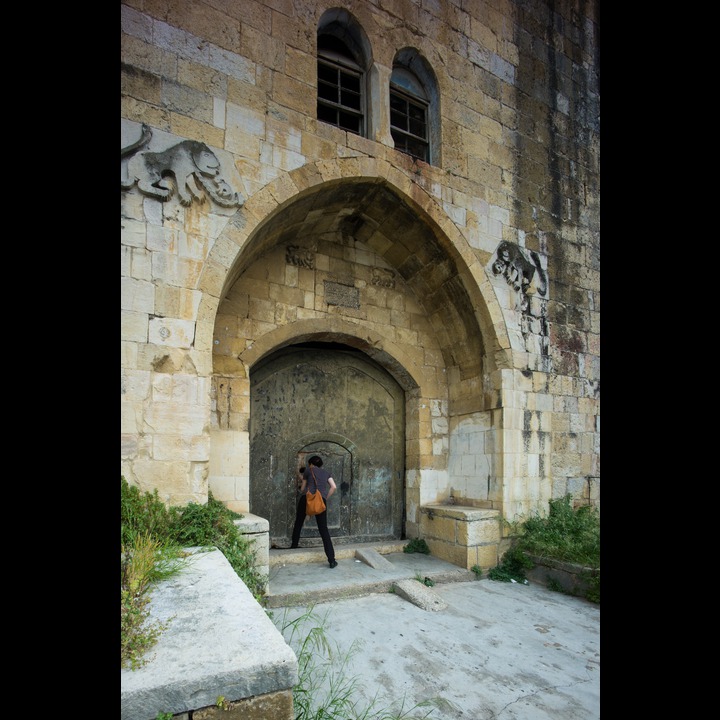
(408, 124)
(340, 94)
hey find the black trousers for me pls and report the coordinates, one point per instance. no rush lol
(321, 521)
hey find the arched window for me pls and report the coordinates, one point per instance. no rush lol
(414, 107)
(341, 72)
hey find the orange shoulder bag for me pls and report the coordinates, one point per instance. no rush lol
(314, 502)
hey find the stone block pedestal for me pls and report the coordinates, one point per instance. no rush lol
(257, 529)
(463, 535)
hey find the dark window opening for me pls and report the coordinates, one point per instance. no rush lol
(408, 125)
(340, 97)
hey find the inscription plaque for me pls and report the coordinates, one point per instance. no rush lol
(342, 295)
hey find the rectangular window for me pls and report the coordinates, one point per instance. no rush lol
(339, 97)
(408, 125)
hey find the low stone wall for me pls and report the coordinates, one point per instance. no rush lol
(219, 656)
(571, 578)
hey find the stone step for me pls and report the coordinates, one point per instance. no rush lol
(303, 577)
(316, 554)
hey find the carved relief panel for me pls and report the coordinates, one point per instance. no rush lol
(188, 169)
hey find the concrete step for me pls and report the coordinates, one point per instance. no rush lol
(315, 554)
(302, 577)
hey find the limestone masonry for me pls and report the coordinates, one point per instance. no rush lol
(368, 229)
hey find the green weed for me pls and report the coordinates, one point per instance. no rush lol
(212, 524)
(142, 564)
(567, 534)
(593, 585)
(417, 545)
(425, 580)
(513, 566)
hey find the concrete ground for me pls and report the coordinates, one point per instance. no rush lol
(472, 649)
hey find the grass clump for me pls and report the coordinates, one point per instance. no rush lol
(137, 573)
(513, 566)
(147, 555)
(567, 534)
(417, 545)
(213, 524)
(425, 580)
(326, 690)
(141, 514)
(152, 540)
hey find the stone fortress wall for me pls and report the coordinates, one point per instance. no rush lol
(249, 225)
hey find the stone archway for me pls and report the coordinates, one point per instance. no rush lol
(358, 251)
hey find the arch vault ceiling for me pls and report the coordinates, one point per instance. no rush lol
(371, 213)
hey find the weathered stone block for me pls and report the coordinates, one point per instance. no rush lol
(439, 528)
(273, 706)
(479, 532)
(448, 551)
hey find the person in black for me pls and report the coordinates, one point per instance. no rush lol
(315, 473)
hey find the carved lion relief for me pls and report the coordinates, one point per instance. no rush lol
(518, 269)
(383, 278)
(299, 256)
(189, 168)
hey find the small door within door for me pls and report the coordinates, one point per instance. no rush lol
(338, 461)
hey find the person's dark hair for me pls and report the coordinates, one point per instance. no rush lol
(315, 460)
(302, 469)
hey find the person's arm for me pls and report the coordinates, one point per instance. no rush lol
(303, 485)
(333, 487)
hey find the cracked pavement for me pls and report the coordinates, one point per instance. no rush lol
(498, 651)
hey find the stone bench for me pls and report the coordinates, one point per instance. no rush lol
(219, 643)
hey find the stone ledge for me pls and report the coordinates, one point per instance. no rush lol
(572, 578)
(467, 513)
(219, 642)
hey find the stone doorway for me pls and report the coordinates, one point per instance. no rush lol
(334, 401)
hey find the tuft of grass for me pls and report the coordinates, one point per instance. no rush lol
(213, 524)
(142, 564)
(147, 556)
(593, 585)
(141, 513)
(326, 690)
(513, 566)
(425, 580)
(567, 534)
(417, 545)
(477, 570)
